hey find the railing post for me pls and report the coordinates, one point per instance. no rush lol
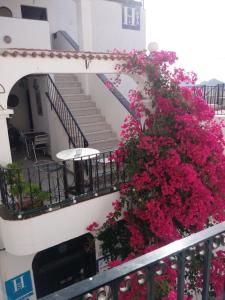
(115, 289)
(180, 275)
(151, 283)
(65, 182)
(206, 270)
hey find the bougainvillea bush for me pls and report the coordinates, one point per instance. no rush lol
(173, 155)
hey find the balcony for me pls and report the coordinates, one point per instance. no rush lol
(55, 197)
(23, 33)
(49, 185)
(141, 275)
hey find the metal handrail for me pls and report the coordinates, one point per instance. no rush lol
(178, 249)
(70, 125)
(116, 93)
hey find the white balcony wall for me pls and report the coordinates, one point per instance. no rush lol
(62, 15)
(25, 237)
(24, 33)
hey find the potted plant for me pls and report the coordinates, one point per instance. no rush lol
(25, 195)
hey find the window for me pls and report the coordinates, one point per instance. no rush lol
(34, 13)
(5, 12)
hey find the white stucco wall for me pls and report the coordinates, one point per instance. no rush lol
(107, 31)
(100, 29)
(113, 111)
(62, 15)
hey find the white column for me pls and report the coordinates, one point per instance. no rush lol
(85, 33)
(5, 151)
(85, 24)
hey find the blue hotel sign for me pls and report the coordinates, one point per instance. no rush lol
(131, 17)
(19, 287)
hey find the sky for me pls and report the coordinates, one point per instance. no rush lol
(194, 29)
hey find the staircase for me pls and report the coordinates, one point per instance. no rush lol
(97, 132)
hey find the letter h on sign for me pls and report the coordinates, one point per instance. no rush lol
(18, 283)
(131, 17)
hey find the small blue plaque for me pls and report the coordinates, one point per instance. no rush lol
(19, 287)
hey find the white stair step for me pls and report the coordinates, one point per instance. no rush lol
(80, 104)
(99, 135)
(93, 127)
(85, 111)
(64, 77)
(90, 119)
(110, 143)
(76, 97)
(71, 90)
(67, 84)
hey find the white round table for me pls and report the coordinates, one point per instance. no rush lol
(77, 154)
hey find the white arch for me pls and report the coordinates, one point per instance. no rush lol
(17, 63)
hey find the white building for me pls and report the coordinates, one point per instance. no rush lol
(43, 241)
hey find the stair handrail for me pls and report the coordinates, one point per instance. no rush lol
(116, 93)
(80, 139)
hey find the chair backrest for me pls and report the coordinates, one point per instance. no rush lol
(41, 139)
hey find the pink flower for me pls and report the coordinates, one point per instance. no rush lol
(93, 226)
(108, 84)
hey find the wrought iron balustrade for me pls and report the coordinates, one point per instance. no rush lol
(26, 192)
(214, 96)
(75, 135)
(144, 270)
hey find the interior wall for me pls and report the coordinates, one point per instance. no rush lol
(40, 122)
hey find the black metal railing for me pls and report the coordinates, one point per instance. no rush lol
(144, 270)
(75, 135)
(30, 191)
(116, 93)
(214, 96)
